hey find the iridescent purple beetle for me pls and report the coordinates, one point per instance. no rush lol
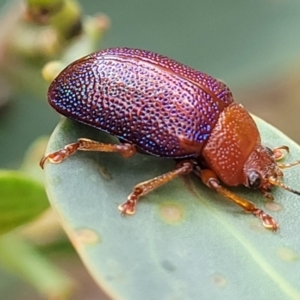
(158, 106)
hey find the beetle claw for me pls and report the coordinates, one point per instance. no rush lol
(128, 207)
(58, 156)
(267, 220)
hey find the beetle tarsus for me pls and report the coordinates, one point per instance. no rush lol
(58, 156)
(143, 188)
(210, 179)
(279, 152)
(267, 220)
(128, 207)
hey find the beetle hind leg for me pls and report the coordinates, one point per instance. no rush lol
(143, 188)
(209, 178)
(126, 150)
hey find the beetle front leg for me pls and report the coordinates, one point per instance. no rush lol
(143, 188)
(126, 150)
(279, 154)
(209, 178)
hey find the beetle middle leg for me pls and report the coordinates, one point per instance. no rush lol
(143, 188)
(126, 150)
(209, 178)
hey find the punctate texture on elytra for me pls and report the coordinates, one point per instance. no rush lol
(142, 97)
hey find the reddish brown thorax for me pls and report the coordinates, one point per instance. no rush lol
(235, 153)
(231, 142)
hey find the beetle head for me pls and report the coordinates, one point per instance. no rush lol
(261, 171)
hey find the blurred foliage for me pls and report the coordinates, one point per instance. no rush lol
(42, 31)
(22, 200)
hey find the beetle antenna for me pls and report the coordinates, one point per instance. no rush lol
(273, 181)
(285, 166)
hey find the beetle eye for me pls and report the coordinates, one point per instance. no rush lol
(254, 179)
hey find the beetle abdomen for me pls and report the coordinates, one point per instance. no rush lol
(159, 105)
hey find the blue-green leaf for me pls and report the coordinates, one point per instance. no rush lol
(185, 241)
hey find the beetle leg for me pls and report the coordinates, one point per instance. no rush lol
(278, 152)
(210, 179)
(126, 150)
(288, 165)
(268, 195)
(143, 188)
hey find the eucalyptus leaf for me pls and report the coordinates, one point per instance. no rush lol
(21, 199)
(185, 241)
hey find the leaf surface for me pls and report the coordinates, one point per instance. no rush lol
(185, 241)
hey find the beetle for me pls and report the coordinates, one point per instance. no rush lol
(160, 107)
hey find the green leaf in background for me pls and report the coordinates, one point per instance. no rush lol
(21, 199)
(31, 161)
(185, 241)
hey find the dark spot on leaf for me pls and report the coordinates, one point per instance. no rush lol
(168, 266)
(104, 173)
(219, 280)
